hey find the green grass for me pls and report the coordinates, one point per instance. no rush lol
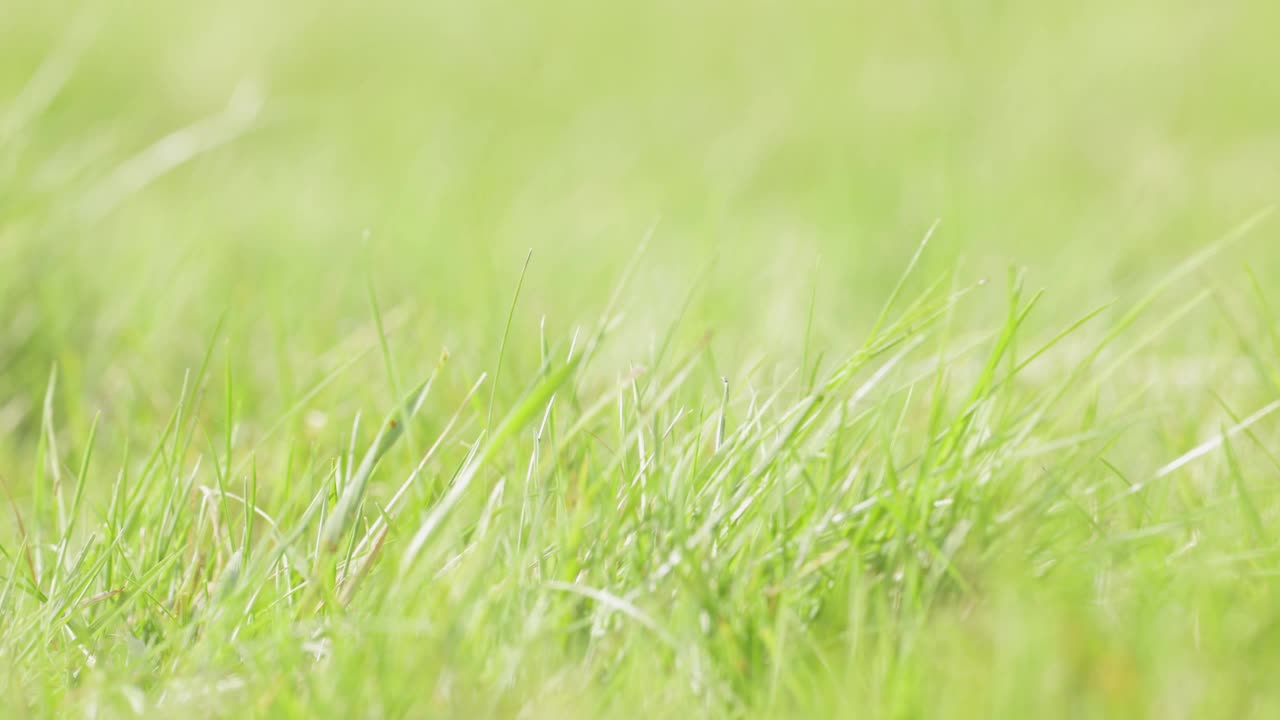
(589, 360)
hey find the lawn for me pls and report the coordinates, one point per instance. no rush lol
(570, 359)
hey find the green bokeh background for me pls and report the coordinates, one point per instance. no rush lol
(778, 154)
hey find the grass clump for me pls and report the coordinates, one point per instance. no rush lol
(782, 461)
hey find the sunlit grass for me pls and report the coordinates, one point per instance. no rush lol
(867, 362)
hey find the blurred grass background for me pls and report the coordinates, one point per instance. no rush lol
(779, 154)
